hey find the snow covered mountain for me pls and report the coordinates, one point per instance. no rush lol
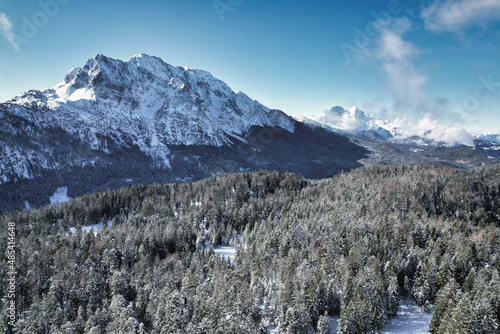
(178, 105)
(402, 141)
(141, 102)
(425, 132)
(111, 123)
(355, 121)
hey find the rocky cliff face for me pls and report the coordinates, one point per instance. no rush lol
(143, 103)
(112, 123)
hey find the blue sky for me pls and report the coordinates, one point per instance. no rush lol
(409, 58)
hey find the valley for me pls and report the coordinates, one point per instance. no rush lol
(357, 247)
(113, 123)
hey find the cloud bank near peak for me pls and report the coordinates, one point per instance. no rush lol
(430, 129)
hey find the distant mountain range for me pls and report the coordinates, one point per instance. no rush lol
(401, 131)
(112, 123)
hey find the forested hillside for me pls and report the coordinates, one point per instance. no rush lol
(351, 246)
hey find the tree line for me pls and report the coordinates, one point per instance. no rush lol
(352, 246)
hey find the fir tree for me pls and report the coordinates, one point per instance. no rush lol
(324, 324)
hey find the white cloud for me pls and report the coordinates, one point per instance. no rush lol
(391, 43)
(395, 58)
(6, 30)
(455, 15)
(429, 128)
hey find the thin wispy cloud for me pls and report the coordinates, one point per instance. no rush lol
(456, 15)
(396, 57)
(6, 30)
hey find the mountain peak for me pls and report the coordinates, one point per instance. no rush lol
(99, 57)
(151, 63)
(336, 110)
(400, 130)
(354, 110)
(177, 106)
(356, 113)
(140, 55)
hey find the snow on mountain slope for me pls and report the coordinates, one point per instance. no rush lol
(141, 103)
(490, 137)
(177, 105)
(355, 121)
(348, 120)
(425, 132)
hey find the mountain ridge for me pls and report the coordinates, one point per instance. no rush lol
(127, 101)
(146, 86)
(112, 123)
(424, 132)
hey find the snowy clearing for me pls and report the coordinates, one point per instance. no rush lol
(411, 319)
(60, 196)
(96, 228)
(334, 323)
(227, 252)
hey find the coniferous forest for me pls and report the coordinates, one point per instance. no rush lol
(353, 246)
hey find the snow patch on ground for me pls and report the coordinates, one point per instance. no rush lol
(227, 252)
(60, 196)
(411, 319)
(272, 330)
(334, 323)
(27, 205)
(96, 228)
